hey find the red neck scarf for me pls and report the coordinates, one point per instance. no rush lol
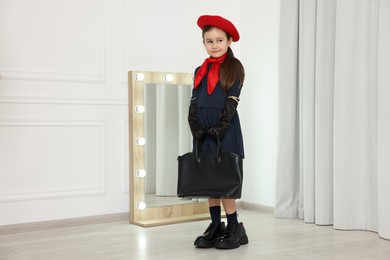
(213, 76)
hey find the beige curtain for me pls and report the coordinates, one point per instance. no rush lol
(334, 142)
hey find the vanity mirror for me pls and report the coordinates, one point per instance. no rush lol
(158, 133)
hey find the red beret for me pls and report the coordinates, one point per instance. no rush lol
(220, 22)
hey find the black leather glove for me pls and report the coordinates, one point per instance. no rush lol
(219, 130)
(196, 128)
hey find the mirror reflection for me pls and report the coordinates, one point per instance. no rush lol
(168, 135)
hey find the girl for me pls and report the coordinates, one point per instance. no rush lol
(213, 116)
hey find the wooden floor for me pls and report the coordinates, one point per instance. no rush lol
(269, 238)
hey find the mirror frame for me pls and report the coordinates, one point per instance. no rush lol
(159, 215)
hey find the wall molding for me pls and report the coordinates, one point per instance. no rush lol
(126, 177)
(100, 189)
(99, 77)
(25, 99)
(126, 60)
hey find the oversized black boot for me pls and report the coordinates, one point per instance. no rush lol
(233, 237)
(212, 233)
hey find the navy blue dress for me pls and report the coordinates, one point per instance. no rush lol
(210, 109)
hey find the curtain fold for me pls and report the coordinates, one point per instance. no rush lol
(287, 177)
(334, 119)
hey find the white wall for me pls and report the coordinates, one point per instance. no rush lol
(258, 108)
(63, 96)
(164, 34)
(63, 109)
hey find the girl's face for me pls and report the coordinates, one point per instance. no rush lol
(216, 42)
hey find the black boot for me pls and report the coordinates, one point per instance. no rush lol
(233, 237)
(212, 233)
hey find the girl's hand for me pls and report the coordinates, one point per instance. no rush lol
(214, 133)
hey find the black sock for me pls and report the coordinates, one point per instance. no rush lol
(215, 213)
(232, 218)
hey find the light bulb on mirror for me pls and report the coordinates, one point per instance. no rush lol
(139, 109)
(140, 141)
(139, 77)
(141, 205)
(168, 77)
(141, 173)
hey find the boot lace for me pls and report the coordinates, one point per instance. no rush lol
(228, 232)
(210, 227)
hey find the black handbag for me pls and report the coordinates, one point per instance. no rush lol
(209, 174)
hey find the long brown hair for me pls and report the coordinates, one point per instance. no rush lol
(231, 69)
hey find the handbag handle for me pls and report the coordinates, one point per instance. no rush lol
(218, 151)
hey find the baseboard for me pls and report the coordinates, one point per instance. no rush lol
(51, 224)
(255, 207)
